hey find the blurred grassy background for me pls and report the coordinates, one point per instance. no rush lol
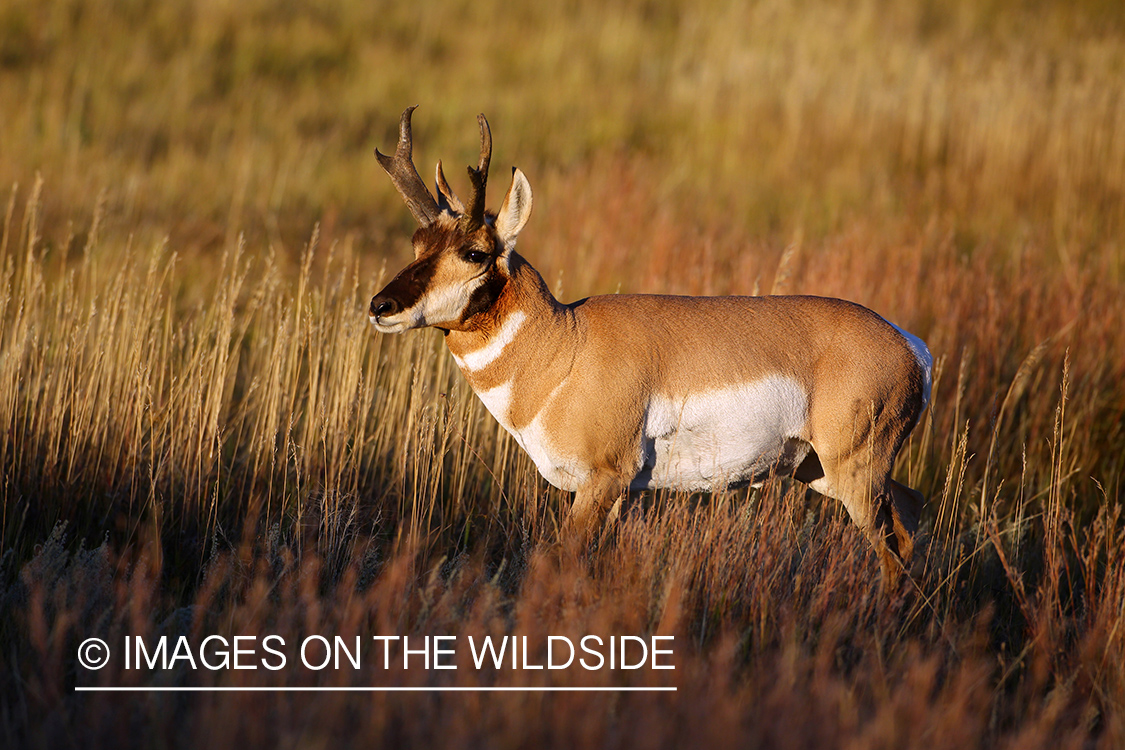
(762, 116)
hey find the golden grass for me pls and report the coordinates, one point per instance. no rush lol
(200, 433)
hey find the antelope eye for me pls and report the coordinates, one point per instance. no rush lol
(476, 256)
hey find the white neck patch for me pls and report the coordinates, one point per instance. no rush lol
(479, 359)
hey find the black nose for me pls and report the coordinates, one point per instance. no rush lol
(381, 306)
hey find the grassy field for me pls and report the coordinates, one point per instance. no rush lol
(201, 434)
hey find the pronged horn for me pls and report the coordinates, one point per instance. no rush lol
(405, 177)
(447, 199)
(473, 218)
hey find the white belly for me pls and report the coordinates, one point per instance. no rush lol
(706, 441)
(723, 437)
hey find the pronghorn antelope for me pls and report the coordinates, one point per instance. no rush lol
(628, 392)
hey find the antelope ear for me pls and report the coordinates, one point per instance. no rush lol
(515, 210)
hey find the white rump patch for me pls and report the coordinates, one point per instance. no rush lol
(925, 361)
(732, 435)
(479, 359)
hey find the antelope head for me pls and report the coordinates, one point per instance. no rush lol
(461, 251)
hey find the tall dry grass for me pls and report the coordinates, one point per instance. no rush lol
(200, 433)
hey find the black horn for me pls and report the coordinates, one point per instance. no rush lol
(405, 177)
(473, 218)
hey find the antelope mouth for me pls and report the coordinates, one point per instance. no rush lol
(385, 324)
(387, 315)
(382, 327)
(396, 322)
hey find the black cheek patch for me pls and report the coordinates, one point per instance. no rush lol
(485, 295)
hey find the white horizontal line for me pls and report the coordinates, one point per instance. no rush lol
(373, 689)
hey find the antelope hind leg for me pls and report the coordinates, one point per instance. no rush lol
(906, 512)
(900, 509)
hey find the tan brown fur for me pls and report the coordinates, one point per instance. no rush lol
(575, 383)
(623, 347)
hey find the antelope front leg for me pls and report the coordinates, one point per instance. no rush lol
(592, 504)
